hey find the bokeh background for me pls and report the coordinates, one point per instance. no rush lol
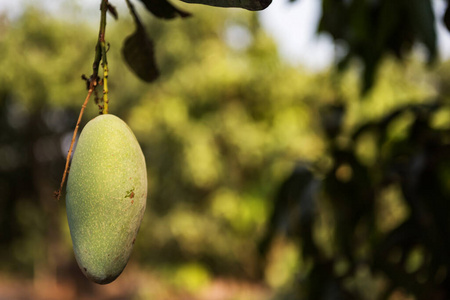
(266, 180)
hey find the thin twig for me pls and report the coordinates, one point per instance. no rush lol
(100, 54)
(100, 57)
(69, 154)
(101, 40)
(105, 80)
(133, 13)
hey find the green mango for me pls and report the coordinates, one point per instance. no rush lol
(106, 197)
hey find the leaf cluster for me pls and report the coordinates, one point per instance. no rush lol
(138, 48)
(408, 252)
(370, 30)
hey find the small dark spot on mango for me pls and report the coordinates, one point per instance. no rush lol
(130, 194)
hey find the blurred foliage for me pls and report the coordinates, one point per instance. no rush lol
(368, 226)
(213, 129)
(362, 216)
(372, 221)
(369, 30)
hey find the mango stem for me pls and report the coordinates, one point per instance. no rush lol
(100, 56)
(69, 154)
(101, 40)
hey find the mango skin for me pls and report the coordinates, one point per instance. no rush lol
(106, 197)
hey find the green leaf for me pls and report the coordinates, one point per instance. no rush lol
(422, 12)
(247, 4)
(113, 11)
(138, 52)
(447, 17)
(163, 9)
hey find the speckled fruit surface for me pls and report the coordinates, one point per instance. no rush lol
(106, 197)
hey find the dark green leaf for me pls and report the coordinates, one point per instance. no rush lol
(113, 11)
(163, 9)
(422, 13)
(247, 4)
(447, 17)
(138, 51)
(294, 210)
(332, 117)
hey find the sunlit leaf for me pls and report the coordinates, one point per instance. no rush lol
(247, 4)
(163, 9)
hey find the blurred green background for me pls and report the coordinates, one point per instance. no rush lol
(221, 130)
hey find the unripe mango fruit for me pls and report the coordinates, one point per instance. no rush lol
(106, 197)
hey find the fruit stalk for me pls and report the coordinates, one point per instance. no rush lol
(133, 12)
(69, 154)
(101, 39)
(100, 56)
